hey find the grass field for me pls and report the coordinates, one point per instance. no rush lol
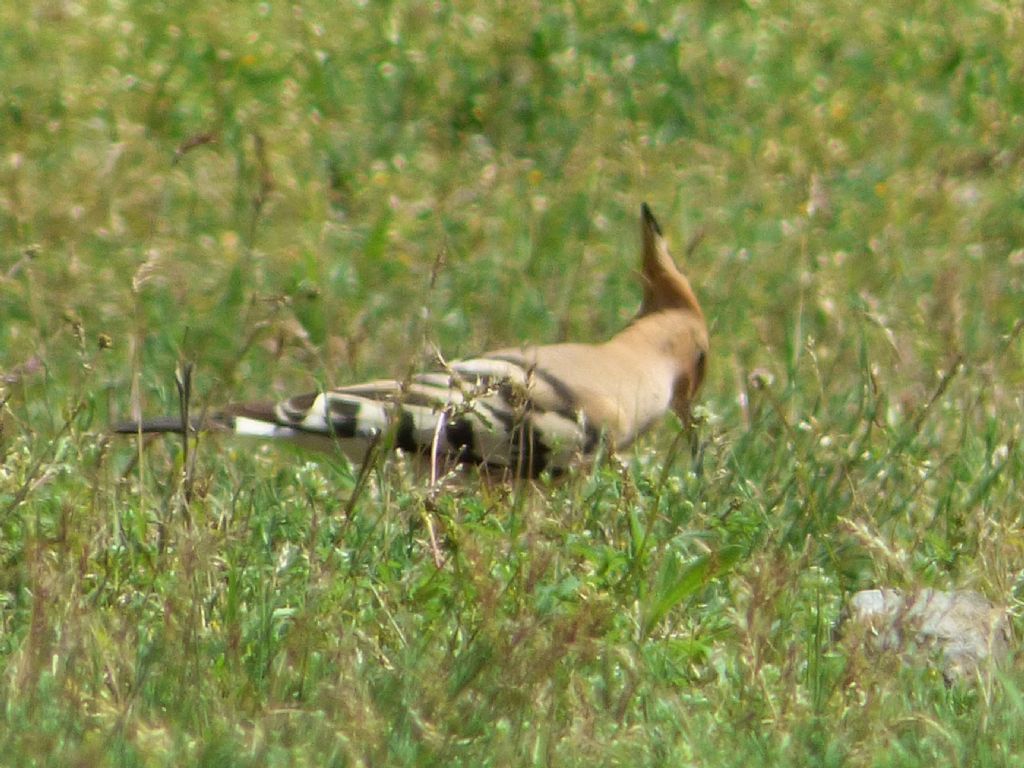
(293, 196)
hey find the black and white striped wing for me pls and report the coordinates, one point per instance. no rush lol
(495, 411)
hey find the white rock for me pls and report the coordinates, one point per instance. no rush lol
(962, 628)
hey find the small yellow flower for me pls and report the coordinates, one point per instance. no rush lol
(229, 241)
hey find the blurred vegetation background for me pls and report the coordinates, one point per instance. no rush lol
(299, 195)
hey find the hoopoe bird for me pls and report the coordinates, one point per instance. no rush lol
(520, 410)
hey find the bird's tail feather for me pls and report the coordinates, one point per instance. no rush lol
(160, 425)
(226, 420)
